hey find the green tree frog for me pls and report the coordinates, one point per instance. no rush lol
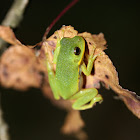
(66, 82)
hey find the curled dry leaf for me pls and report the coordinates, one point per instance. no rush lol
(72, 117)
(7, 35)
(19, 68)
(104, 71)
(73, 125)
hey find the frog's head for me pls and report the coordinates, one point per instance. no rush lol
(73, 48)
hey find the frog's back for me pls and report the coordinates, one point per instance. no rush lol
(67, 65)
(66, 79)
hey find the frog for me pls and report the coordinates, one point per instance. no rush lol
(66, 80)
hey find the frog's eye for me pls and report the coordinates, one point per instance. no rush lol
(77, 50)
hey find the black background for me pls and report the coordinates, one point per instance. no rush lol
(31, 116)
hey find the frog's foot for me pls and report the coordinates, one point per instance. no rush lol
(96, 55)
(86, 98)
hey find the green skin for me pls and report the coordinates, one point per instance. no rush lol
(65, 82)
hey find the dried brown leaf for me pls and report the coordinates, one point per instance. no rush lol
(73, 125)
(73, 118)
(104, 71)
(20, 69)
(133, 105)
(100, 41)
(8, 35)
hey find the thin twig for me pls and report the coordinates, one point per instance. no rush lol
(14, 16)
(58, 17)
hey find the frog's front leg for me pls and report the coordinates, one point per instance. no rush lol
(85, 99)
(57, 49)
(87, 69)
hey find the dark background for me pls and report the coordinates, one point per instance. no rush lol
(31, 116)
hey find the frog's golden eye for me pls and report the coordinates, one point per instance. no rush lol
(77, 50)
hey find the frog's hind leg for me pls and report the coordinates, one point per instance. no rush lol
(51, 74)
(86, 98)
